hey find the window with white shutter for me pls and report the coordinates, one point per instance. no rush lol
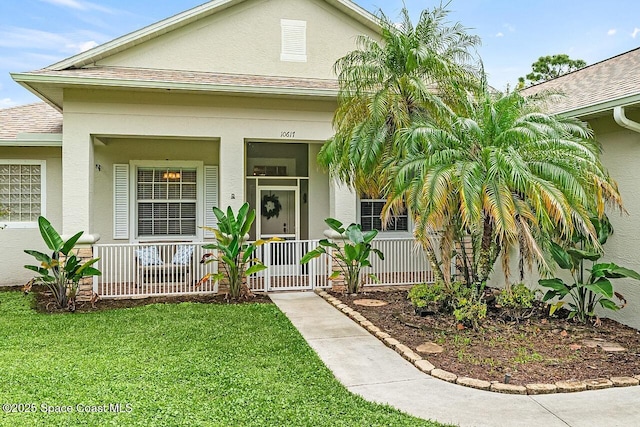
(120, 202)
(294, 40)
(210, 198)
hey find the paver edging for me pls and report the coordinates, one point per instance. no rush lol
(423, 365)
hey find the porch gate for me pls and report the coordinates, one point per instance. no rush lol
(284, 271)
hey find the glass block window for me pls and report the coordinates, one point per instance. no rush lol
(370, 211)
(21, 187)
(166, 201)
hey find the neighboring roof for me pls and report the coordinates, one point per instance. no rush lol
(38, 118)
(180, 20)
(596, 88)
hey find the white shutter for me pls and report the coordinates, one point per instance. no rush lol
(121, 201)
(210, 198)
(294, 40)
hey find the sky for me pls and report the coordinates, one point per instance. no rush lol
(514, 33)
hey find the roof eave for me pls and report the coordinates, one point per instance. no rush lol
(600, 107)
(33, 140)
(27, 79)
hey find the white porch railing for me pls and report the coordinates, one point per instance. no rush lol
(126, 275)
(405, 263)
(176, 270)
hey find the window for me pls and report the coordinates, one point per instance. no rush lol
(21, 192)
(370, 210)
(166, 201)
(294, 40)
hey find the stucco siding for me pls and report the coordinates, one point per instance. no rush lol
(246, 39)
(15, 240)
(621, 151)
(189, 127)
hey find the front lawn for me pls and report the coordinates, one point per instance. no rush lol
(184, 364)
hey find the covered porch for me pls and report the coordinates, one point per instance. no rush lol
(124, 277)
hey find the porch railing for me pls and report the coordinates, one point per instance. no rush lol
(405, 263)
(155, 269)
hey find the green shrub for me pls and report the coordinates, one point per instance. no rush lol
(470, 311)
(61, 271)
(349, 258)
(464, 302)
(234, 256)
(424, 294)
(516, 297)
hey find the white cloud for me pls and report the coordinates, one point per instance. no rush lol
(612, 32)
(82, 46)
(499, 35)
(635, 32)
(510, 28)
(79, 5)
(66, 3)
(7, 102)
(65, 43)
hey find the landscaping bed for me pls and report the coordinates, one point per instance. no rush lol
(43, 301)
(538, 349)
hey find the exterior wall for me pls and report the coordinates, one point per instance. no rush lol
(121, 151)
(184, 127)
(246, 39)
(15, 240)
(621, 151)
(318, 195)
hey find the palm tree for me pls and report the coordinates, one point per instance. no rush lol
(387, 85)
(503, 173)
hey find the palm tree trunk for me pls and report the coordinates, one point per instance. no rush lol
(436, 265)
(486, 257)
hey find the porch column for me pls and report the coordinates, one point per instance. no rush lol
(232, 166)
(77, 185)
(77, 197)
(342, 203)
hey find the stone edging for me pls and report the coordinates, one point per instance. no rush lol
(425, 366)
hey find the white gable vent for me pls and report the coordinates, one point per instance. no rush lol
(294, 40)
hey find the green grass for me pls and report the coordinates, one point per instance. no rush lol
(185, 364)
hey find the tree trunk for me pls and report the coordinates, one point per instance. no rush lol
(435, 263)
(486, 257)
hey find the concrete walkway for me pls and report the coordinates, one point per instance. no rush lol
(368, 368)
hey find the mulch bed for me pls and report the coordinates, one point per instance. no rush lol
(44, 301)
(536, 350)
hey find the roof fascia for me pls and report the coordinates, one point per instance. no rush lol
(601, 106)
(33, 140)
(30, 79)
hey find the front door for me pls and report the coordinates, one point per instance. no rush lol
(279, 211)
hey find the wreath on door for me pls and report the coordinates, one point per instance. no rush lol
(271, 206)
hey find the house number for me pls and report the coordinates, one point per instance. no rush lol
(287, 134)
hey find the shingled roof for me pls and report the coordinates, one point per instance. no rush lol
(141, 75)
(604, 84)
(31, 118)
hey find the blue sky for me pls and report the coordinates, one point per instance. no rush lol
(37, 33)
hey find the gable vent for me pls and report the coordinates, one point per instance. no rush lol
(294, 40)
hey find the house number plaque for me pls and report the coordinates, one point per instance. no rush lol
(288, 134)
